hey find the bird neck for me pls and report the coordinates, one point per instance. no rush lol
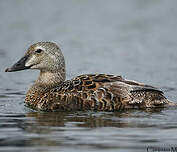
(48, 79)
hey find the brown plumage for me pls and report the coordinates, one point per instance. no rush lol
(98, 92)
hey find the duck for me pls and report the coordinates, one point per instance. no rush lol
(96, 92)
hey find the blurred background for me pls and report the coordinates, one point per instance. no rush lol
(133, 38)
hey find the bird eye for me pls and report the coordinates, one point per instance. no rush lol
(38, 51)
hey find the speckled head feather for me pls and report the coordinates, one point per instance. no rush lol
(45, 56)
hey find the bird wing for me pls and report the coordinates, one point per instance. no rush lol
(109, 92)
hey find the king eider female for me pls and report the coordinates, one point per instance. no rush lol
(100, 92)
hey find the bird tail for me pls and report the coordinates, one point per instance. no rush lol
(171, 103)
